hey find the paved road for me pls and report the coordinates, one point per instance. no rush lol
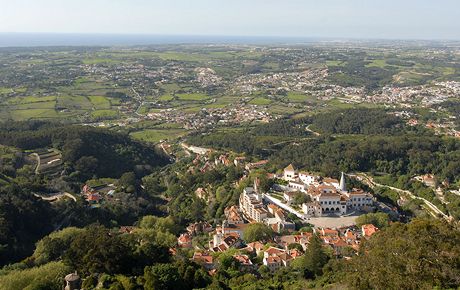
(370, 181)
(311, 131)
(57, 196)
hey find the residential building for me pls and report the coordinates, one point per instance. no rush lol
(368, 230)
(251, 205)
(233, 216)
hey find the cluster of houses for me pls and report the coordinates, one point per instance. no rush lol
(278, 252)
(94, 195)
(327, 197)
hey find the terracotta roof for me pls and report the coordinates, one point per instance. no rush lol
(243, 259)
(184, 238)
(369, 229)
(330, 194)
(93, 197)
(202, 258)
(274, 251)
(295, 253)
(256, 245)
(273, 259)
(329, 232)
(330, 180)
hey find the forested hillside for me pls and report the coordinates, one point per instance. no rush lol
(90, 151)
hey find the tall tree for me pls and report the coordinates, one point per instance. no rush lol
(311, 264)
(423, 254)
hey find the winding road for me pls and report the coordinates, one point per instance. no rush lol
(371, 183)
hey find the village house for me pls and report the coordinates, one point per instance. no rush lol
(199, 228)
(204, 259)
(427, 179)
(254, 247)
(275, 258)
(308, 178)
(255, 165)
(289, 196)
(185, 241)
(273, 263)
(222, 242)
(245, 263)
(222, 160)
(233, 216)
(302, 239)
(368, 230)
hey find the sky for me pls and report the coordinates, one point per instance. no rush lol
(374, 19)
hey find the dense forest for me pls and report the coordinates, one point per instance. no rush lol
(91, 151)
(396, 155)
(358, 121)
(87, 153)
(258, 139)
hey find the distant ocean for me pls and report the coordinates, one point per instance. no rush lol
(60, 39)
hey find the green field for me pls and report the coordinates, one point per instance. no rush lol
(170, 88)
(98, 60)
(100, 102)
(152, 135)
(381, 63)
(37, 105)
(260, 101)
(298, 97)
(192, 97)
(30, 99)
(20, 115)
(5, 90)
(74, 103)
(104, 114)
(166, 98)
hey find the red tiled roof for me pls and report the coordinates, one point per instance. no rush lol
(369, 230)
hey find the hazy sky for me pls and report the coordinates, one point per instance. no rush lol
(424, 19)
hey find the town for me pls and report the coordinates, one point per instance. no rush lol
(324, 197)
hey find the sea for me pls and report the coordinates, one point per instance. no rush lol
(79, 39)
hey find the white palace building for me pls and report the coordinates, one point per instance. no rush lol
(328, 196)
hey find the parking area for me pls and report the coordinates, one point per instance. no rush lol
(333, 222)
